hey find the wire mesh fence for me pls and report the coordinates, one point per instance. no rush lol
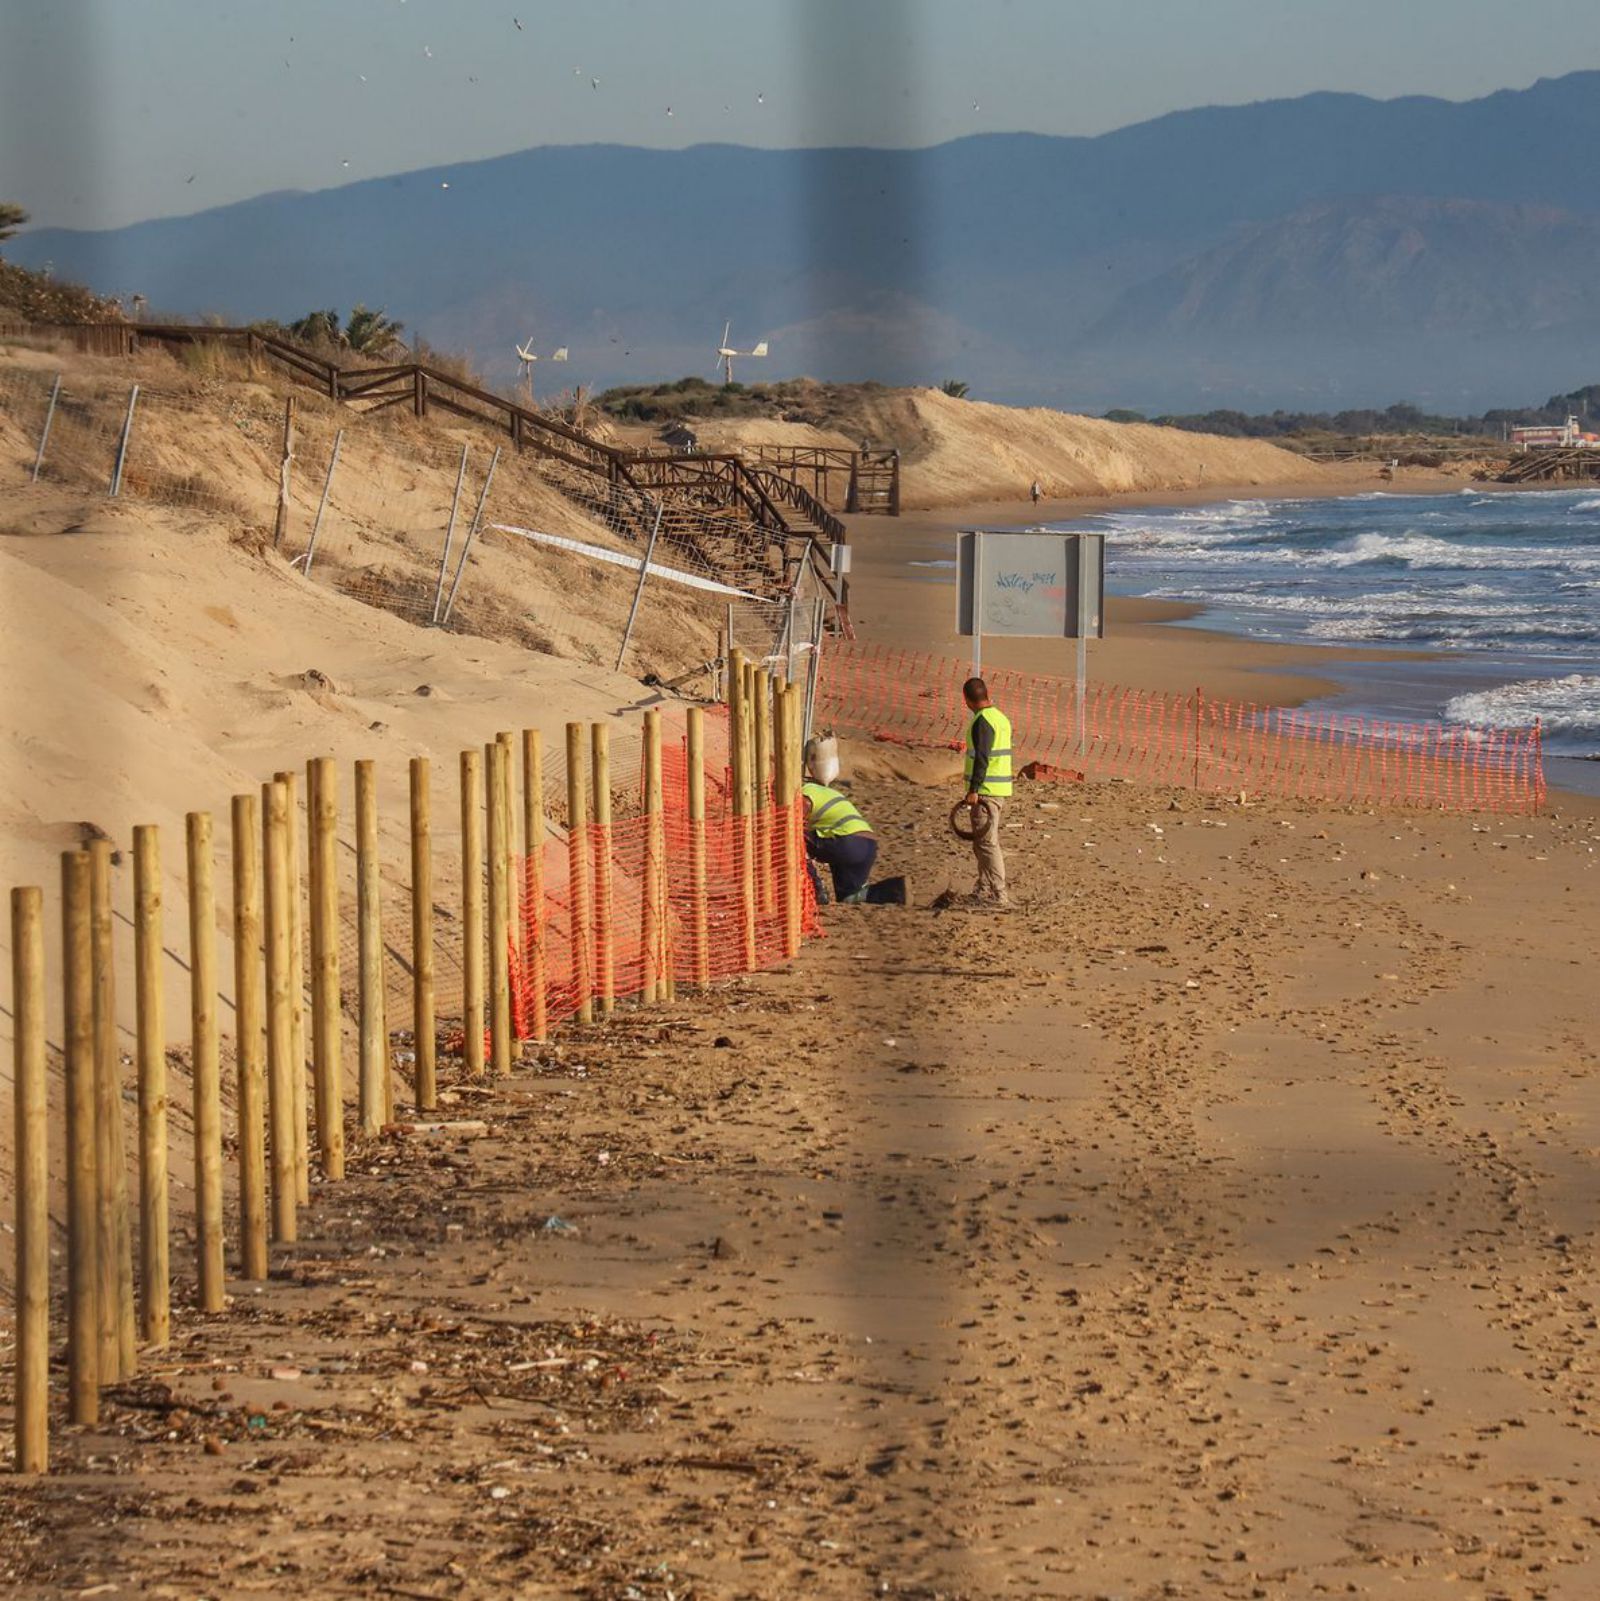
(433, 522)
(101, 434)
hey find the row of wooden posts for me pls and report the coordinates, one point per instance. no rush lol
(270, 945)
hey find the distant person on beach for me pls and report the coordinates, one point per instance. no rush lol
(1035, 491)
(987, 774)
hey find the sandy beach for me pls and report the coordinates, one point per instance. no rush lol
(1216, 1224)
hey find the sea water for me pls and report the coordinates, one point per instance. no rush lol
(1493, 597)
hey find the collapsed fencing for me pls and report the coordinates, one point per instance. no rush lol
(433, 527)
(689, 869)
(1193, 741)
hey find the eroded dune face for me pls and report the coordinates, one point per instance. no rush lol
(956, 452)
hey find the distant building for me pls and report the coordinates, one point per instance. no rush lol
(1547, 436)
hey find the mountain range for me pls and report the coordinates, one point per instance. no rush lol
(1324, 251)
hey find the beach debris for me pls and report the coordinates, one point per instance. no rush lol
(557, 1225)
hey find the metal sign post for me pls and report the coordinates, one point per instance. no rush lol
(977, 610)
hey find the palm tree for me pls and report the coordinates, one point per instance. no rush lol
(370, 333)
(955, 388)
(11, 218)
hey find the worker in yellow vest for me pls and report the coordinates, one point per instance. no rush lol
(840, 838)
(987, 777)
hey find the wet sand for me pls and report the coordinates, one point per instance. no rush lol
(1219, 1223)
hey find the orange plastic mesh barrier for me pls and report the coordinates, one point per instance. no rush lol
(1193, 741)
(644, 903)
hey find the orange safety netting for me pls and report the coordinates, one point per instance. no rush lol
(646, 902)
(1195, 741)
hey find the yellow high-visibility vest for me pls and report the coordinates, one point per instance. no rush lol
(997, 777)
(832, 815)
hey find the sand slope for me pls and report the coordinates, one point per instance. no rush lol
(957, 451)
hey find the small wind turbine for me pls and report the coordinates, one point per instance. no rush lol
(726, 352)
(527, 355)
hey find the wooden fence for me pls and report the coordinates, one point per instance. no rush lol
(700, 876)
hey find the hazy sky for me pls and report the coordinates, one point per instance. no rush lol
(112, 111)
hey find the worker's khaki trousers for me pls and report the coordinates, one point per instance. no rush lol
(986, 848)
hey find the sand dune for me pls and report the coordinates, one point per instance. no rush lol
(954, 452)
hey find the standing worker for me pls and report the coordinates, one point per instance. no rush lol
(987, 774)
(839, 837)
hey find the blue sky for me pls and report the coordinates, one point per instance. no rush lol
(112, 111)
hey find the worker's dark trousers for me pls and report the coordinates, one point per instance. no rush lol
(849, 856)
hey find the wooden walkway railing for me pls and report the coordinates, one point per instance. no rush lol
(1546, 465)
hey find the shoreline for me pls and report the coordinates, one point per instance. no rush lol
(894, 601)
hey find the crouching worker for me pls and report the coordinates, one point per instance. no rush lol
(841, 839)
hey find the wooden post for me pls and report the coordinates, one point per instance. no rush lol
(322, 795)
(247, 997)
(578, 873)
(425, 1082)
(743, 796)
(533, 883)
(118, 1338)
(791, 856)
(280, 1036)
(499, 903)
(154, 1290)
(700, 932)
(650, 870)
(515, 874)
(513, 829)
(761, 733)
(281, 526)
(206, 1071)
(83, 1145)
(656, 835)
(778, 860)
(32, 1387)
(605, 956)
(374, 1057)
(297, 988)
(472, 912)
